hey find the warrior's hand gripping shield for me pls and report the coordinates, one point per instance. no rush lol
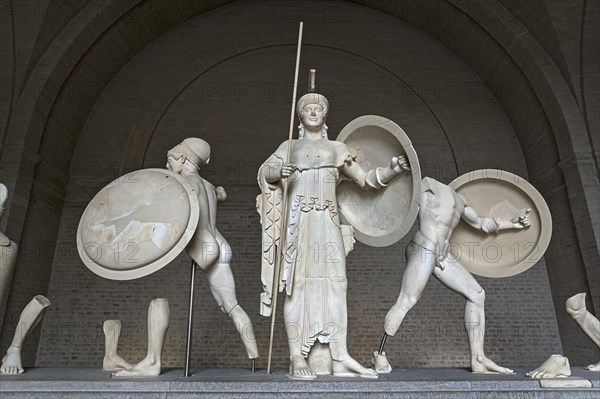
(137, 224)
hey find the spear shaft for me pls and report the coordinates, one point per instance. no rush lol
(282, 230)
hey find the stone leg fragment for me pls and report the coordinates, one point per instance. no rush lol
(112, 361)
(30, 317)
(158, 324)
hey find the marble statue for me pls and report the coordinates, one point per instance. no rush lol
(112, 361)
(30, 317)
(441, 209)
(588, 323)
(555, 367)
(8, 258)
(140, 222)
(208, 248)
(158, 324)
(313, 268)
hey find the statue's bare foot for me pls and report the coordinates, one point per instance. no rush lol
(381, 363)
(115, 362)
(482, 364)
(11, 362)
(593, 367)
(299, 369)
(351, 368)
(149, 367)
(555, 366)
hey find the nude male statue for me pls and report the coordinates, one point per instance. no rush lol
(441, 209)
(208, 248)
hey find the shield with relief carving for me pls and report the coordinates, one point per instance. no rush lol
(137, 224)
(500, 196)
(380, 217)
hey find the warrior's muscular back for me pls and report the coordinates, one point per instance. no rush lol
(441, 210)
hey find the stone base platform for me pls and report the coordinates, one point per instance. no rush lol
(446, 383)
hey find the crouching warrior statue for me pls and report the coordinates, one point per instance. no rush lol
(140, 222)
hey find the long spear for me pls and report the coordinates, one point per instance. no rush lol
(282, 229)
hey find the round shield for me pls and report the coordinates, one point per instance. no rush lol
(137, 224)
(503, 196)
(380, 217)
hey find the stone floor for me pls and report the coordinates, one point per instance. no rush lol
(240, 383)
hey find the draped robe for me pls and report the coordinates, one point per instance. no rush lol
(315, 243)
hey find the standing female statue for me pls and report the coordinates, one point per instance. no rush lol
(313, 268)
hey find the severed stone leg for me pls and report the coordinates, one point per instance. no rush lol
(158, 323)
(588, 323)
(30, 317)
(112, 361)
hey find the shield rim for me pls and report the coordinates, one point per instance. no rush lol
(541, 205)
(167, 257)
(413, 211)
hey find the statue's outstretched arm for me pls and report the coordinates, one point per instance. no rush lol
(374, 178)
(493, 225)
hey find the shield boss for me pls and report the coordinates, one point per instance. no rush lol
(502, 195)
(137, 224)
(380, 217)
